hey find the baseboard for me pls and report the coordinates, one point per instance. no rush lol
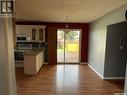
(95, 71)
(19, 65)
(45, 62)
(114, 78)
(106, 78)
(83, 63)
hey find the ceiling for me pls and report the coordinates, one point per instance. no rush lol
(64, 10)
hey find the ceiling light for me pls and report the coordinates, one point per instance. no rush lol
(66, 26)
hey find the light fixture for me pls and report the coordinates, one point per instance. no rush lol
(66, 26)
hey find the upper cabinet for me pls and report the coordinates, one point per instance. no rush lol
(31, 32)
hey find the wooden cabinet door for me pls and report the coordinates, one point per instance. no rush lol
(41, 34)
(24, 30)
(34, 34)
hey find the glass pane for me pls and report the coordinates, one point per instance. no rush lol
(33, 34)
(41, 34)
(72, 46)
(60, 46)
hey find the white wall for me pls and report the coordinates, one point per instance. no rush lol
(7, 69)
(97, 38)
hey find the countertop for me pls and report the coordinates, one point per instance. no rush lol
(33, 51)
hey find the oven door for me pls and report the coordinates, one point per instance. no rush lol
(19, 56)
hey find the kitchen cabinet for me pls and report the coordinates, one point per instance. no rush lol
(38, 33)
(24, 30)
(33, 32)
(41, 35)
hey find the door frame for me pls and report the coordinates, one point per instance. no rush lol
(80, 41)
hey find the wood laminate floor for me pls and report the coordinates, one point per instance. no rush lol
(66, 80)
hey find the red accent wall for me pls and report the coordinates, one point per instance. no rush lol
(83, 26)
(52, 45)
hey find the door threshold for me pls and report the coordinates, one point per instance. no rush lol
(68, 63)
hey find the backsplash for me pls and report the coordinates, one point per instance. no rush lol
(31, 44)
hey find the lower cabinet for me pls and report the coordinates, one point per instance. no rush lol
(33, 63)
(39, 61)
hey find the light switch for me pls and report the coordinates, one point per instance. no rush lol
(121, 47)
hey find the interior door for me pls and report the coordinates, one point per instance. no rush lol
(116, 50)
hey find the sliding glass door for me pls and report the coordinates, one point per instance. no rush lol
(60, 46)
(68, 45)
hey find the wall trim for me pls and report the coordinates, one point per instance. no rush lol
(45, 62)
(96, 71)
(114, 78)
(19, 65)
(83, 63)
(106, 78)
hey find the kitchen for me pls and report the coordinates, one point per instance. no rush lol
(30, 48)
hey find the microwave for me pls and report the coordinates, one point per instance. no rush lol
(21, 38)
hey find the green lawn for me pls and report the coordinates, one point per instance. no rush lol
(70, 47)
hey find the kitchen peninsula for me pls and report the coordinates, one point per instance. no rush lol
(33, 61)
